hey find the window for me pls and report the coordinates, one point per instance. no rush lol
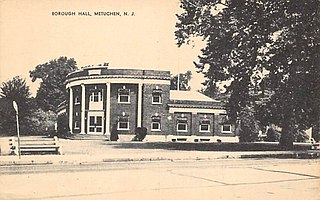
(182, 125)
(99, 124)
(155, 123)
(123, 95)
(76, 125)
(157, 96)
(77, 100)
(123, 123)
(204, 125)
(96, 96)
(226, 128)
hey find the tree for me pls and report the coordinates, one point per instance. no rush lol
(43, 122)
(294, 69)
(253, 42)
(17, 90)
(249, 126)
(184, 79)
(53, 76)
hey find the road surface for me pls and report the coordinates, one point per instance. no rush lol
(215, 179)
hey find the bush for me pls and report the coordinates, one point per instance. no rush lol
(272, 135)
(62, 125)
(114, 134)
(141, 133)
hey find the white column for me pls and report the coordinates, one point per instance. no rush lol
(83, 108)
(70, 109)
(139, 112)
(108, 109)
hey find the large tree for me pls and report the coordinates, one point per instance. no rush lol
(248, 41)
(53, 76)
(17, 90)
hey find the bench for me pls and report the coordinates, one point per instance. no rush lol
(34, 145)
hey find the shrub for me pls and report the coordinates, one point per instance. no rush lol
(141, 133)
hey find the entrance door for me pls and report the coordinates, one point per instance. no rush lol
(95, 124)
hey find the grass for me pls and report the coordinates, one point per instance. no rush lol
(208, 146)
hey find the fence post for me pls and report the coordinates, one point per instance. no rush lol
(56, 142)
(13, 146)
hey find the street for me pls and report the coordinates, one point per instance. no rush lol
(213, 179)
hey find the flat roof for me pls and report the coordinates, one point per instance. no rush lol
(189, 96)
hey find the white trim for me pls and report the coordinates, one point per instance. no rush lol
(204, 131)
(139, 112)
(117, 80)
(108, 109)
(95, 114)
(76, 125)
(159, 129)
(222, 131)
(197, 110)
(71, 110)
(83, 108)
(123, 129)
(77, 100)
(125, 102)
(160, 98)
(186, 130)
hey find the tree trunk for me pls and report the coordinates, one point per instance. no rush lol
(287, 137)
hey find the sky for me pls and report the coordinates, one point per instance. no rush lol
(30, 34)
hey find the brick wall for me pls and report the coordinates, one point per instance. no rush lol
(197, 119)
(150, 109)
(116, 109)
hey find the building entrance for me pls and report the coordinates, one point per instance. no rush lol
(95, 124)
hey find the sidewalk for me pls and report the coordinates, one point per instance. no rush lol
(85, 152)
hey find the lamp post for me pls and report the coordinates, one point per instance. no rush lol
(15, 106)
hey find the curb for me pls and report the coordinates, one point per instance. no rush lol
(294, 155)
(288, 155)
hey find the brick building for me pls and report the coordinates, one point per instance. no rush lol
(102, 99)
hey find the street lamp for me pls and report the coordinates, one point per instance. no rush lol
(15, 106)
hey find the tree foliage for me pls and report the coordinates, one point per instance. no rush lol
(257, 46)
(184, 79)
(249, 127)
(17, 90)
(53, 76)
(43, 122)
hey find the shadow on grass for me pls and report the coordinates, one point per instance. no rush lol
(206, 146)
